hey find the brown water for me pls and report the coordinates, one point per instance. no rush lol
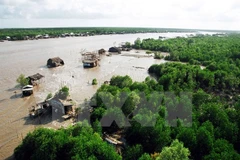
(30, 57)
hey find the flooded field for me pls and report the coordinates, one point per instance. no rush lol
(30, 57)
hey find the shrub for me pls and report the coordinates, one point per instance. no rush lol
(94, 81)
(121, 81)
(64, 89)
(148, 52)
(157, 55)
(63, 92)
(22, 80)
(128, 44)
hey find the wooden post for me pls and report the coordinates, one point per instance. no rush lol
(15, 92)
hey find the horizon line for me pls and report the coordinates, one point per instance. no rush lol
(171, 28)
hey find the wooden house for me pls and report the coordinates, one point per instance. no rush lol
(90, 59)
(35, 79)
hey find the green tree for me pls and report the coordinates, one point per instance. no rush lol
(176, 151)
(137, 43)
(65, 89)
(22, 80)
(133, 153)
(131, 103)
(145, 156)
(94, 81)
(204, 142)
(97, 127)
(128, 44)
(78, 142)
(188, 137)
(200, 97)
(222, 149)
(121, 81)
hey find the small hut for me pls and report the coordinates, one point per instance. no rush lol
(90, 59)
(35, 79)
(27, 90)
(115, 49)
(55, 62)
(101, 51)
(62, 109)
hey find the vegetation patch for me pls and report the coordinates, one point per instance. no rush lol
(94, 81)
(22, 80)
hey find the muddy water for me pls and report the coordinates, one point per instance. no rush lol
(30, 57)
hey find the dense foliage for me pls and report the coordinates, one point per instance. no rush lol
(78, 142)
(206, 50)
(214, 121)
(176, 151)
(215, 98)
(180, 77)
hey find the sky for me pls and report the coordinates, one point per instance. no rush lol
(192, 14)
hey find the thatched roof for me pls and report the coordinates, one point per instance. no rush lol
(56, 59)
(114, 49)
(36, 77)
(55, 62)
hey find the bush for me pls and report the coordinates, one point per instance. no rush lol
(22, 80)
(128, 44)
(157, 55)
(148, 52)
(94, 81)
(64, 89)
(121, 81)
(63, 92)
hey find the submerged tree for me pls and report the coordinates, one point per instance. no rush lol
(94, 81)
(22, 80)
(63, 92)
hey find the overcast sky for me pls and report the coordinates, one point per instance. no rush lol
(202, 14)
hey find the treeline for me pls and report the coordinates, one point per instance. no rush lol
(205, 50)
(222, 80)
(220, 54)
(21, 33)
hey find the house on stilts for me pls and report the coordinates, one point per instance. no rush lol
(90, 59)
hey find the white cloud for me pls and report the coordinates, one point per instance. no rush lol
(150, 13)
